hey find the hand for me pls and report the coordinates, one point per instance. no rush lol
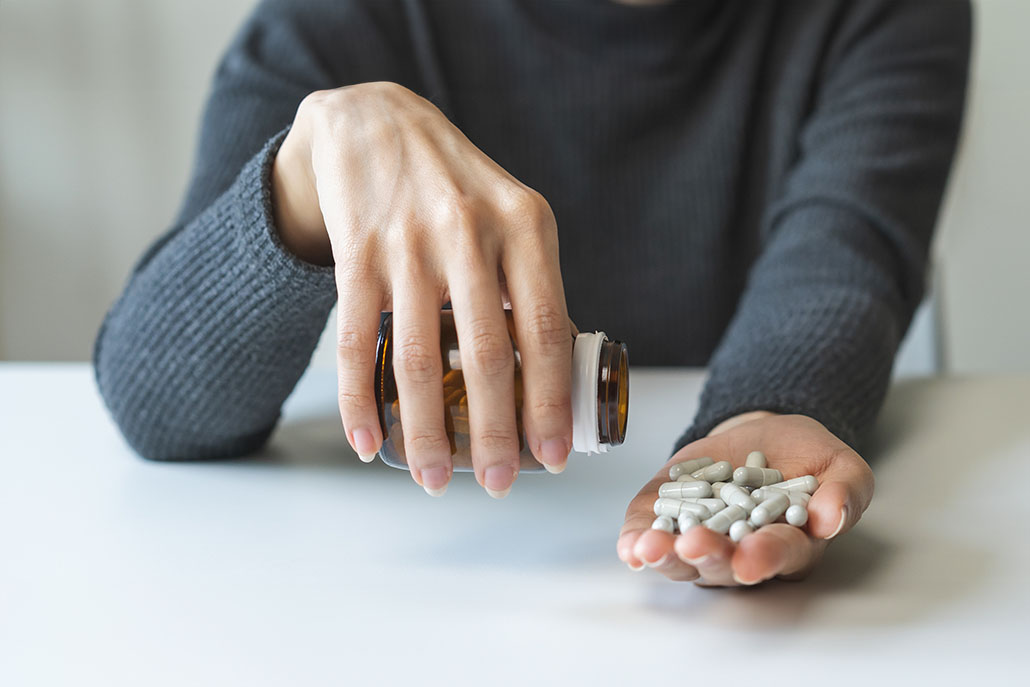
(376, 179)
(793, 444)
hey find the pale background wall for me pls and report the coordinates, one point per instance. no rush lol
(99, 103)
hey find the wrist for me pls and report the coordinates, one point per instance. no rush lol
(738, 420)
(298, 218)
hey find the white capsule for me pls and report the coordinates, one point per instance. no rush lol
(807, 484)
(756, 477)
(688, 466)
(675, 508)
(687, 521)
(756, 459)
(769, 509)
(695, 489)
(663, 523)
(716, 486)
(799, 498)
(797, 515)
(713, 505)
(721, 521)
(740, 529)
(732, 495)
(716, 472)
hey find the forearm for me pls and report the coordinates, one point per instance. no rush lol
(213, 330)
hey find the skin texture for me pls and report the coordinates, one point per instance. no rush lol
(375, 180)
(794, 444)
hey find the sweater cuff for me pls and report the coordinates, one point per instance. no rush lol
(258, 236)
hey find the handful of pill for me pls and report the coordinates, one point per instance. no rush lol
(735, 502)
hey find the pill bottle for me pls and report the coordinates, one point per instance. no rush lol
(600, 396)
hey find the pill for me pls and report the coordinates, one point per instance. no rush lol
(663, 523)
(769, 509)
(807, 484)
(675, 508)
(721, 521)
(797, 515)
(799, 498)
(713, 505)
(716, 486)
(682, 489)
(687, 521)
(740, 529)
(756, 477)
(716, 472)
(756, 459)
(732, 495)
(688, 466)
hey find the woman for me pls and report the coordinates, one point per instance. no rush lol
(747, 186)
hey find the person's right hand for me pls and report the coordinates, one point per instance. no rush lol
(375, 179)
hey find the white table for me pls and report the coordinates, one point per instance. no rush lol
(304, 566)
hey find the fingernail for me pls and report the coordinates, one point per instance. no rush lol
(497, 480)
(697, 561)
(658, 563)
(554, 454)
(840, 525)
(364, 444)
(435, 480)
(744, 582)
(636, 568)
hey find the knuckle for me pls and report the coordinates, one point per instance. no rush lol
(497, 440)
(427, 444)
(352, 345)
(354, 402)
(415, 359)
(550, 407)
(528, 208)
(548, 327)
(490, 350)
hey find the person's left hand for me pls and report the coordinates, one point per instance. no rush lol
(795, 445)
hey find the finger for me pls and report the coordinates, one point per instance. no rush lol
(675, 569)
(357, 324)
(488, 366)
(418, 369)
(845, 490)
(776, 549)
(707, 552)
(534, 282)
(655, 549)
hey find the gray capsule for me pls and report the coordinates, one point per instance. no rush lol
(686, 522)
(721, 521)
(663, 523)
(733, 495)
(716, 472)
(675, 508)
(688, 466)
(756, 459)
(769, 509)
(740, 529)
(806, 483)
(696, 489)
(797, 515)
(756, 477)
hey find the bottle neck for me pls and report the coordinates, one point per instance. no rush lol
(600, 393)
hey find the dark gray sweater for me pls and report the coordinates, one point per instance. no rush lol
(750, 186)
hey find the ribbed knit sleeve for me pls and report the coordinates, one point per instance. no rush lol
(218, 320)
(213, 333)
(845, 245)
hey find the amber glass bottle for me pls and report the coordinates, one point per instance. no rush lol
(600, 396)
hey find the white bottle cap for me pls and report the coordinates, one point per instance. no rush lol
(586, 355)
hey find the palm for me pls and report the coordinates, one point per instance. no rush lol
(795, 445)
